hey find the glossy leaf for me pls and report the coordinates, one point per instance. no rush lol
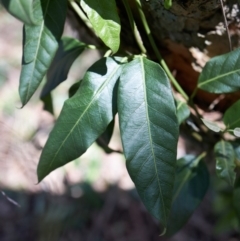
(191, 184)
(84, 117)
(183, 111)
(105, 138)
(73, 89)
(48, 103)
(211, 125)
(225, 161)
(40, 44)
(221, 74)
(104, 18)
(149, 132)
(20, 9)
(69, 49)
(231, 117)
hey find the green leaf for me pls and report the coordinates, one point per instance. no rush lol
(236, 132)
(40, 44)
(211, 125)
(69, 49)
(225, 165)
(20, 9)
(183, 111)
(191, 184)
(167, 4)
(84, 117)
(104, 18)
(73, 89)
(149, 132)
(105, 138)
(48, 103)
(231, 117)
(221, 74)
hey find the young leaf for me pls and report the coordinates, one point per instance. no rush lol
(236, 132)
(149, 132)
(104, 18)
(68, 50)
(167, 4)
(191, 184)
(225, 165)
(183, 111)
(221, 74)
(20, 9)
(211, 125)
(231, 117)
(40, 44)
(84, 117)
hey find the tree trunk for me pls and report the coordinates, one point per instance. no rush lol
(188, 35)
(193, 31)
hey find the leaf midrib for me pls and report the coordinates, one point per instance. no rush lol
(217, 77)
(150, 136)
(233, 123)
(37, 51)
(81, 116)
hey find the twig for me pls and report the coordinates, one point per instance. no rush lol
(10, 200)
(134, 27)
(156, 51)
(226, 25)
(81, 14)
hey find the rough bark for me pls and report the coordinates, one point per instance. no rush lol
(187, 34)
(193, 31)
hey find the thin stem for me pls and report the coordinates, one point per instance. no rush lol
(200, 157)
(196, 111)
(156, 51)
(194, 93)
(174, 81)
(108, 53)
(134, 27)
(226, 25)
(89, 46)
(81, 14)
(10, 200)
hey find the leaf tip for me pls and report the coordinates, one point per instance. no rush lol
(40, 175)
(163, 232)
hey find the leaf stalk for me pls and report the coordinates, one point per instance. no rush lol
(81, 14)
(156, 51)
(134, 27)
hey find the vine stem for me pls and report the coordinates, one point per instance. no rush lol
(108, 53)
(134, 27)
(81, 14)
(156, 51)
(163, 63)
